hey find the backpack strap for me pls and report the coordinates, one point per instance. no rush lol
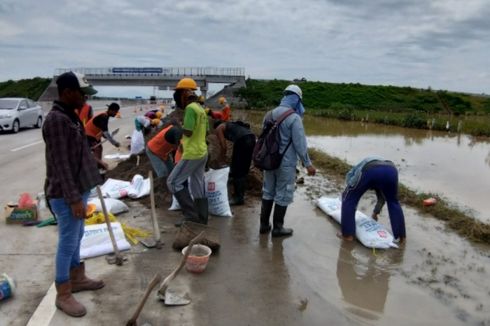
(283, 116)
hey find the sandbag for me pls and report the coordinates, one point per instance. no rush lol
(96, 240)
(113, 206)
(217, 191)
(137, 142)
(368, 231)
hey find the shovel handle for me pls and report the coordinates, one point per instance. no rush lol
(156, 228)
(108, 222)
(156, 279)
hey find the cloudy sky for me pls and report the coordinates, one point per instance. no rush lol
(444, 44)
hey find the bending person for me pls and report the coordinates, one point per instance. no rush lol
(243, 146)
(382, 176)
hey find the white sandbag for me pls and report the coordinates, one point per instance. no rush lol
(137, 142)
(96, 240)
(117, 156)
(112, 205)
(369, 232)
(115, 188)
(217, 191)
(139, 187)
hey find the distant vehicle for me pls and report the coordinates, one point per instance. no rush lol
(19, 112)
(153, 100)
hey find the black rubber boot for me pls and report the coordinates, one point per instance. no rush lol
(201, 205)
(278, 222)
(238, 197)
(265, 213)
(187, 205)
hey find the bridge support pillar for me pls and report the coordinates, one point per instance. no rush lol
(204, 89)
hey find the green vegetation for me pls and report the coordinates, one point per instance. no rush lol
(401, 106)
(454, 218)
(31, 88)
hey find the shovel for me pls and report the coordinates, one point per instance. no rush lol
(155, 242)
(103, 141)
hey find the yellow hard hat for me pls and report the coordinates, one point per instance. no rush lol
(158, 115)
(186, 83)
(222, 100)
(200, 99)
(155, 122)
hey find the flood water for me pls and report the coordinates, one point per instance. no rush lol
(454, 166)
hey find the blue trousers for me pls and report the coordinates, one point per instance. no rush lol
(161, 167)
(279, 185)
(70, 233)
(383, 178)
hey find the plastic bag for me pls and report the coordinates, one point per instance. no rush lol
(26, 201)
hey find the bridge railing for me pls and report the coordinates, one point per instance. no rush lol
(156, 71)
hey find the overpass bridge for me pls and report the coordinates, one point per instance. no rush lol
(164, 78)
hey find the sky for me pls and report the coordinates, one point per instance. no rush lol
(442, 44)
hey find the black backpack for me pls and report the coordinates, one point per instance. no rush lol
(266, 155)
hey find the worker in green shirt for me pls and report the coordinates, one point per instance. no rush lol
(189, 171)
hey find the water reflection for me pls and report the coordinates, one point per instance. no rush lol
(364, 278)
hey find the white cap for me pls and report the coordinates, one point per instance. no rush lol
(294, 89)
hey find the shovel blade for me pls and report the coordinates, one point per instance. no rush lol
(174, 299)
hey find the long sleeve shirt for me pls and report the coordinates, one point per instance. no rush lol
(71, 168)
(291, 130)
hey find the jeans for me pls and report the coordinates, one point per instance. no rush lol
(162, 167)
(70, 233)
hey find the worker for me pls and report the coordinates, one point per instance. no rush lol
(382, 176)
(97, 127)
(279, 184)
(243, 140)
(195, 154)
(86, 112)
(70, 175)
(159, 150)
(225, 110)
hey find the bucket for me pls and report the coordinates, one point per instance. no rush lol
(7, 287)
(198, 258)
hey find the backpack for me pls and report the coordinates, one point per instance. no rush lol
(266, 155)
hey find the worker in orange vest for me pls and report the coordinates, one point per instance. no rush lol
(96, 128)
(159, 150)
(85, 113)
(226, 110)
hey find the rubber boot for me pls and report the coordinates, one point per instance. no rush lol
(238, 198)
(80, 281)
(201, 205)
(265, 213)
(66, 302)
(278, 221)
(187, 205)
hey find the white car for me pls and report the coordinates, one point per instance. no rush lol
(19, 112)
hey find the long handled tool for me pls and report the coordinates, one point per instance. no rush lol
(103, 141)
(156, 241)
(163, 287)
(119, 258)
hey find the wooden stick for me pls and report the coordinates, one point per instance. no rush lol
(156, 228)
(156, 279)
(119, 258)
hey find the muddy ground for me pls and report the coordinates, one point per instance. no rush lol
(311, 278)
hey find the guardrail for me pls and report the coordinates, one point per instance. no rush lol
(156, 71)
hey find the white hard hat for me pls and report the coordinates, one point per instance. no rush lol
(294, 89)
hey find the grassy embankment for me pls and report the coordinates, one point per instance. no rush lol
(30, 88)
(400, 106)
(455, 219)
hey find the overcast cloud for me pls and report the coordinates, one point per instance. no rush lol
(444, 44)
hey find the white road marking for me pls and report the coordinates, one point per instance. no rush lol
(25, 146)
(46, 309)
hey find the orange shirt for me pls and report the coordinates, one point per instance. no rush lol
(226, 112)
(159, 146)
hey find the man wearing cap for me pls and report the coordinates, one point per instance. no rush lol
(279, 184)
(194, 157)
(97, 127)
(70, 175)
